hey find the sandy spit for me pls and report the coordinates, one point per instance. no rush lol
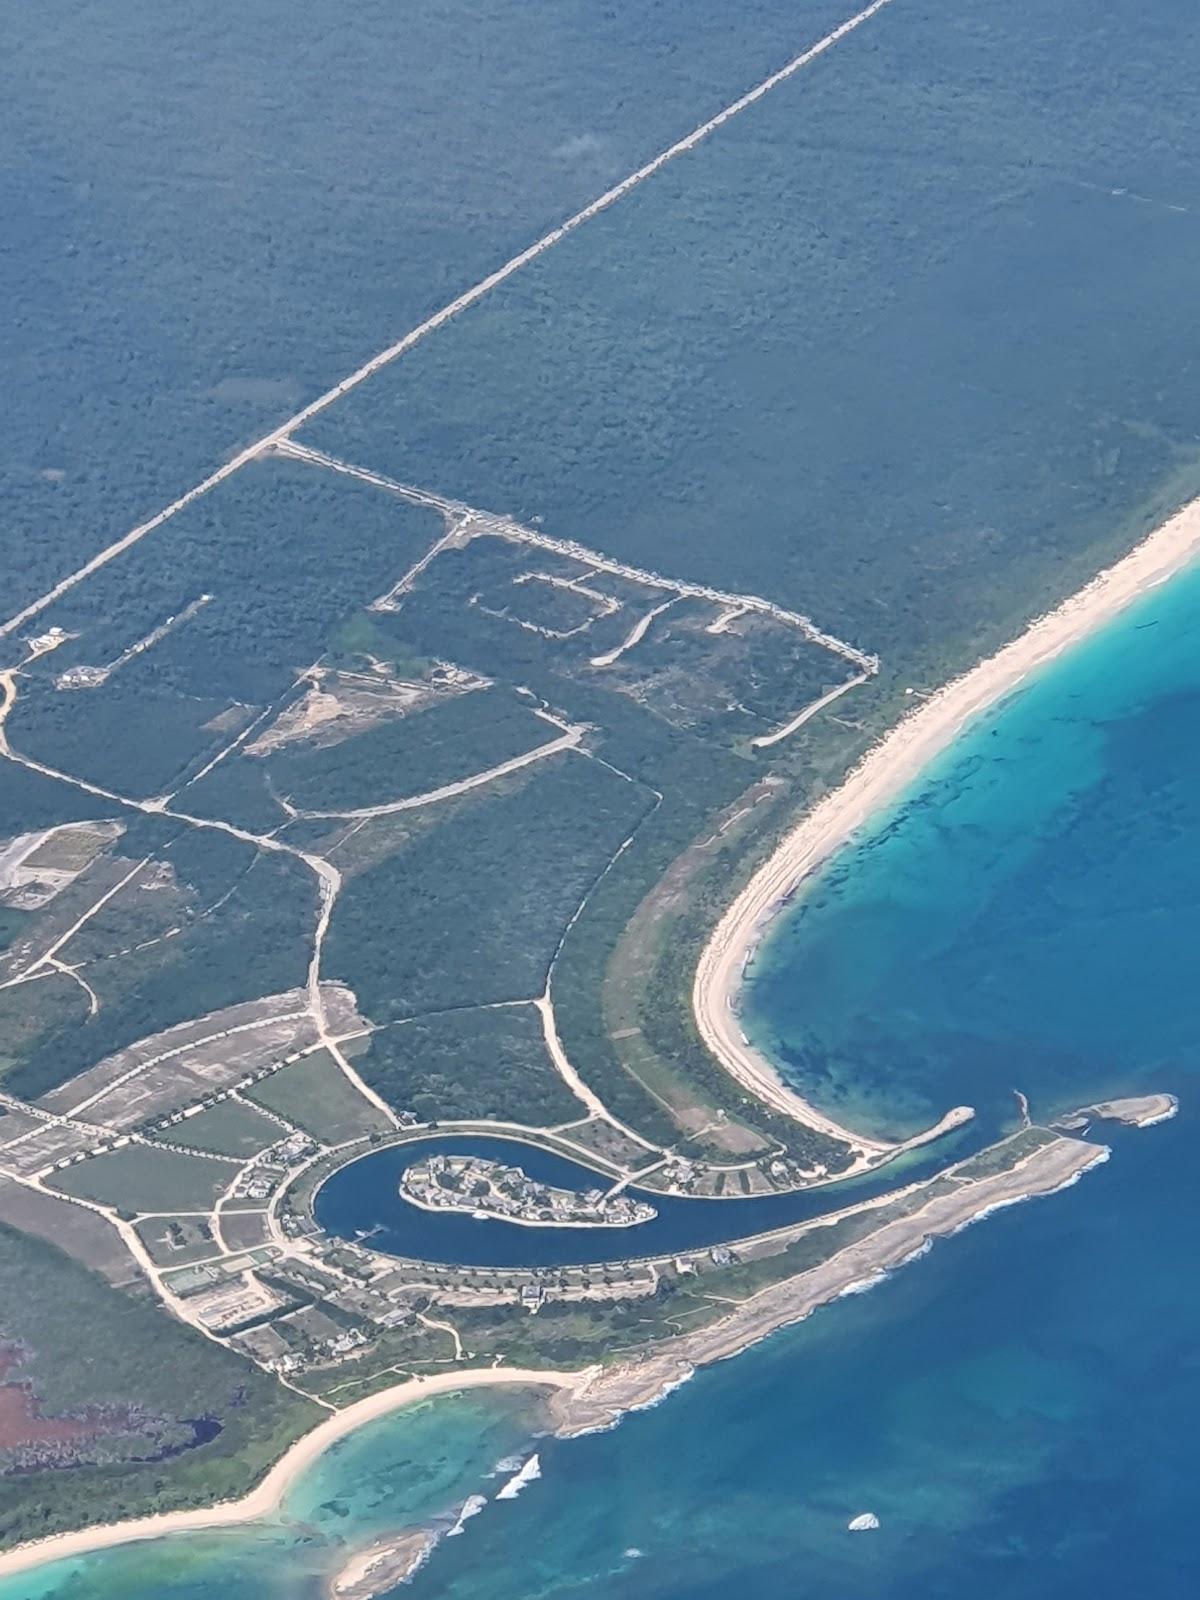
(606, 1394)
(882, 775)
(597, 1397)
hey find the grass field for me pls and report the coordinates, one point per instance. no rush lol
(177, 1241)
(227, 1129)
(315, 1094)
(139, 1177)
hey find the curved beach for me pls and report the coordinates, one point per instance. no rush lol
(269, 1495)
(595, 1397)
(878, 779)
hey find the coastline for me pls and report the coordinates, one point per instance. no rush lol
(879, 778)
(604, 1395)
(269, 1494)
(596, 1397)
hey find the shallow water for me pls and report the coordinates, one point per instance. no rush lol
(1027, 917)
(1021, 1407)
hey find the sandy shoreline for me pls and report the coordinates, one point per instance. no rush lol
(605, 1395)
(879, 778)
(598, 1397)
(593, 1398)
(270, 1493)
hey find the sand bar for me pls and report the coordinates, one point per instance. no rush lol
(1136, 1111)
(383, 1565)
(878, 780)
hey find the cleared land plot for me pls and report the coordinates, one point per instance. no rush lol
(139, 1177)
(168, 1070)
(177, 1241)
(15, 1124)
(472, 910)
(316, 1095)
(874, 389)
(245, 1230)
(469, 1064)
(442, 743)
(50, 1143)
(338, 704)
(227, 1129)
(35, 867)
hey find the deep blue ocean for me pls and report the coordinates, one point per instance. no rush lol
(1021, 1406)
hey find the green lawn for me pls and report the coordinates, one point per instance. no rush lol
(228, 1129)
(317, 1096)
(139, 1177)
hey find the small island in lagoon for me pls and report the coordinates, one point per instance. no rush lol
(484, 1188)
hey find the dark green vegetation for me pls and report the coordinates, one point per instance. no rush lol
(198, 247)
(471, 912)
(134, 736)
(149, 1386)
(243, 921)
(466, 1064)
(283, 551)
(922, 370)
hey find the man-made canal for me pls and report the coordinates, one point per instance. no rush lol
(364, 1197)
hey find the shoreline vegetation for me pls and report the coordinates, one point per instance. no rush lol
(597, 1397)
(878, 780)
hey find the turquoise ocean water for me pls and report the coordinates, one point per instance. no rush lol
(1020, 1407)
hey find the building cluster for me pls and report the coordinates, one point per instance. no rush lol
(488, 1189)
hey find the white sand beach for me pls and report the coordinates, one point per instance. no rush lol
(875, 782)
(269, 1495)
(878, 780)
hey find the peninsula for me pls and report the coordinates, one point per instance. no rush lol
(781, 1279)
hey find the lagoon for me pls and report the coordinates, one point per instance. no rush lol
(1020, 1408)
(363, 1197)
